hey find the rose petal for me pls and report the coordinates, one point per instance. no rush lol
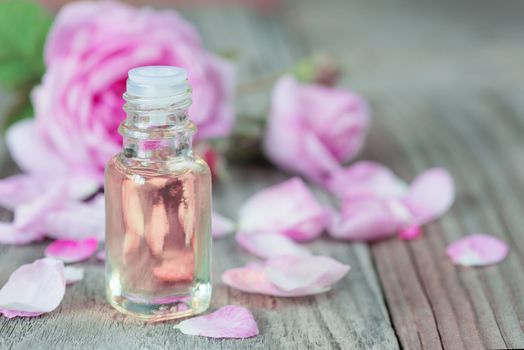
(71, 251)
(267, 245)
(221, 226)
(431, 195)
(364, 179)
(30, 151)
(293, 273)
(9, 234)
(263, 278)
(101, 255)
(33, 289)
(477, 250)
(410, 232)
(30, 216)
(252, 278)
(369, 219)
(20, 189)
(81, 186)
(288, 208)
(230, 321)
(73, 274)
(13, 313)
(77, 220)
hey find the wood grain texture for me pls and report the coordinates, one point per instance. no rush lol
(438, 100)
(445, 83)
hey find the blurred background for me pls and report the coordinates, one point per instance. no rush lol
(419, 49)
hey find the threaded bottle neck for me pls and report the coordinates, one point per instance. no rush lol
(157, 123)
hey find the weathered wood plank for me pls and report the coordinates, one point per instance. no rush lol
(469, 146)
(429, 69)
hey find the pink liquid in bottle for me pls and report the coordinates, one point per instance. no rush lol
(158, 213)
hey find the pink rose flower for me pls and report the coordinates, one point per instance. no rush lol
(312, 129)
(78, 105)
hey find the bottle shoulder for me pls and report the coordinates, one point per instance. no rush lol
(177, 166)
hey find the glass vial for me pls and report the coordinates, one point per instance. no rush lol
(158, 204)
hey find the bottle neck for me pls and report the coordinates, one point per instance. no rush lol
(157, 129)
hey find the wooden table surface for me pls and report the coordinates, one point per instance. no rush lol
(445, 81)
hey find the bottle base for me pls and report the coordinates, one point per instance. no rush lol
(163, 309)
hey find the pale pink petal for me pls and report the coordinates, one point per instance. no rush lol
(299, 273)
(410, 232)
(33, 289)
(77, 220)
(99, 202)
(9, 234)
(71, 251)
(73, 274)
(81, 186)
(30, 216)
(101, 255)
(366, 178)
(267, 245)
(13, 313)
(31, 152)
(251, 278)
(369, 219)
(20, 189)
(256, 278)
(431, 195)
(221, 226)
(477, 250)
(230, 321)
(288, 208)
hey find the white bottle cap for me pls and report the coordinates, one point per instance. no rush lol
(157, 81)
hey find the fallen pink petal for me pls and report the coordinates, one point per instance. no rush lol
(9, 234)
(431, 195)
(70, 251)
(31, 211)
(20, 189)
(364, 179)
(77, 220)
(33, 289)
(221, 226)
(478, 249)
(43, 164)
(287, 276)
(376, 204)
(30, 216)
(288, 208)
(30, 152)
(73, 274)
(297, 273)
(101, 255)
(231, 321)
(410, 232)
(267, 245)
(369, 219)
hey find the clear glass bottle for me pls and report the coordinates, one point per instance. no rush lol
(158, 204)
